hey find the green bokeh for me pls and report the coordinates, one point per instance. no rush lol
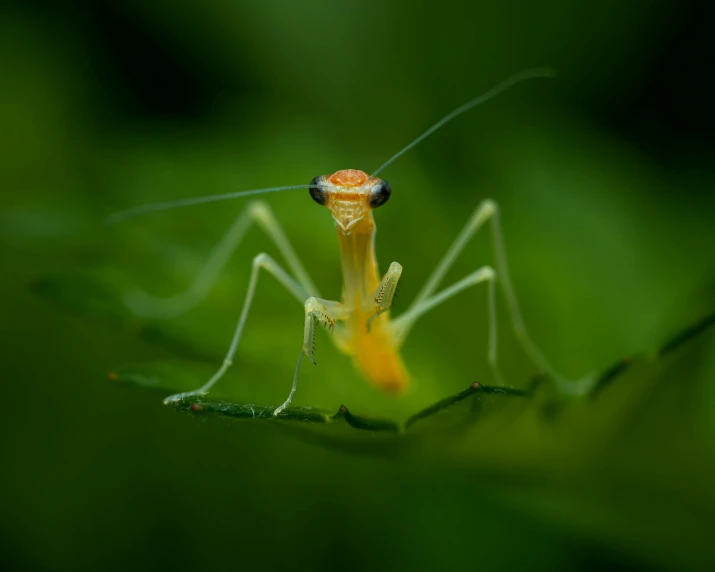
(610, 253)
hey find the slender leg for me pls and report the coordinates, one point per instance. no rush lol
(488, 210)
(144, 304)
(385, 291)
(265, 262)
(483, 274)
(325, 312)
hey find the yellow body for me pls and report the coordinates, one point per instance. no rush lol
(346, 194)
(374, 353)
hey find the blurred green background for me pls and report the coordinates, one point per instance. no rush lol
(605, 177)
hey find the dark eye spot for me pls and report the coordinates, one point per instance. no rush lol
(316, 191)
(379, 194)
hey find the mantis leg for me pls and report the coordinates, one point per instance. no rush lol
(325, 312)
(385, 292)
(488, 210)
(146, 305)
(483, 274)
(260, 262)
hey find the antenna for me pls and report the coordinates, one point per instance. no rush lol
(136, 211)
(503, 86)
(493, 92)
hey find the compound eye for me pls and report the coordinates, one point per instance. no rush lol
(316, 191)
(379, 194)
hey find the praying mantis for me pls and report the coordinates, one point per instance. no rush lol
(360, 322)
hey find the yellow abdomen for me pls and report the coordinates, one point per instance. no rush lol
(375, 355)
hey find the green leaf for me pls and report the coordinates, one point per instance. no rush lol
(454, 415)
(603, 413)
(473, 402)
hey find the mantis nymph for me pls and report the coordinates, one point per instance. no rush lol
(360, 321)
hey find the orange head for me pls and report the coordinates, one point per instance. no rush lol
(349, 195)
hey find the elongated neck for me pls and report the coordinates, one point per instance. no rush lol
(357, 253)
